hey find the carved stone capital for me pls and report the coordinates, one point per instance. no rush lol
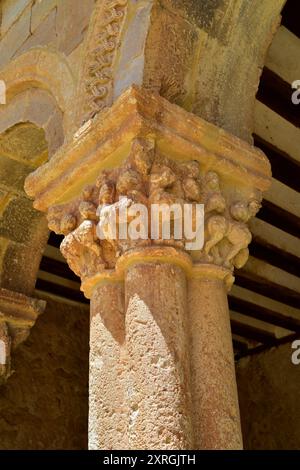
(18, 313)
(145, 150)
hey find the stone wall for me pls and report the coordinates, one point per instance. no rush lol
(269, 387)
(33, 118)
(44, 404)
(29, 23)
(23, 231)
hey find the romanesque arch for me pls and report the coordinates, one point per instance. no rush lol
(37, 116)
(41, 68)
(33, 125)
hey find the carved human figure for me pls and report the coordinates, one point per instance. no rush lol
(226, 233)
(234, 231)
(215, 223)
(238, 233)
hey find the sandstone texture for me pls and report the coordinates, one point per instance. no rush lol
(44, 404)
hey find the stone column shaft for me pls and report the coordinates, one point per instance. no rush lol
(107, 387)
(158, 374)
(216, 418)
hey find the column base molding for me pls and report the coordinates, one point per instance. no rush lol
(161, 255)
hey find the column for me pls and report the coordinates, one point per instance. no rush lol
(107, 371)
(158, 373)
(161, 360)
(216, 417)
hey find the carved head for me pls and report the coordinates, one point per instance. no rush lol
(239, 211)
(68, 224)
(107, 193)
(128, 181)
(211, 181)
(191, 169)
(87, 210)
(254, 206)
(87, 192)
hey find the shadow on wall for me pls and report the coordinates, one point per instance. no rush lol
(44, 404)
(268, 386)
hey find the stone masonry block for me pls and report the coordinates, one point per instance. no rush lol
(11, 11)
(15, 37)
(40, 10)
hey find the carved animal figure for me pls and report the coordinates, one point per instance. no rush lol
(83, 262)
(237, 234)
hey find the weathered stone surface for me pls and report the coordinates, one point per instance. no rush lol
(225, 88)
(40, 10)
(13, 173)
(18, 309)
(5, 197)
(20, 259)
(18, 314)
(216, 415)
(75, 60)
(40, 107)
(189, 57)
(203, 13)
(133, 42)
(44, 34)
(72, 22)
(44, 403)
(158, 367)
(20, 264)
(54, 132)
(181, 158)
(188, 51)
(168, 66)
(268, 385)
(14, 112)
(181, 137)
(25, 142)
(103, 40)
(130, 60)
(19, 220)
(11, 10)
(108, 412)
(49, 71)
(132, 74)
(21, 123)
(15, 37)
